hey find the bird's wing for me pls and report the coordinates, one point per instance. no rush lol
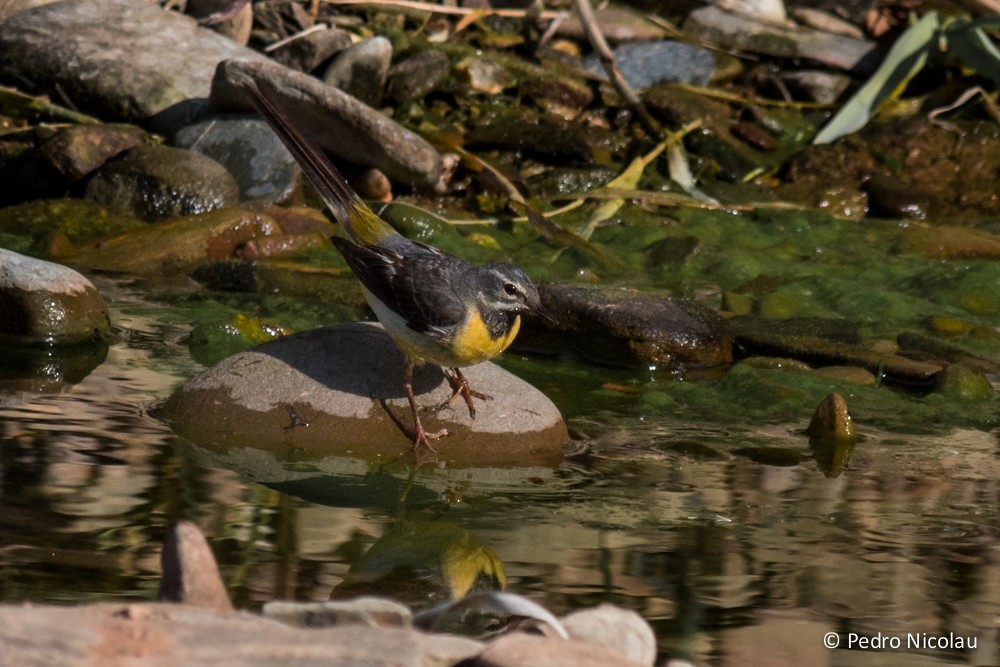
(418, 284)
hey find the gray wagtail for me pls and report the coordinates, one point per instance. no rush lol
(434, 306)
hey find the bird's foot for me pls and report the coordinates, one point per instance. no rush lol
(460, 387)
(422, 437)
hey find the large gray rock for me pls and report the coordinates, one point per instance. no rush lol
(338, 391)
(114, 58)
(338, 122)
(46, 303)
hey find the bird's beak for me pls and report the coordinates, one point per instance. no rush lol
(541, 311)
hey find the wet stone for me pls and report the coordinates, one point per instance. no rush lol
(159, 183)
(620, 326)
(46, 303)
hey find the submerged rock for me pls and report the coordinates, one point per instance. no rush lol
(46, 303)
(338, 390)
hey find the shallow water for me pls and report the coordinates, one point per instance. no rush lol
(732, 561)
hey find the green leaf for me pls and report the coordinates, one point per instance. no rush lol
(969, 43)
(906, 57)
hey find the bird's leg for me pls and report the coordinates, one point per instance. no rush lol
(460, 385)
(420, 436)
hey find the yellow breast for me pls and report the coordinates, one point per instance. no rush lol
(473, 342)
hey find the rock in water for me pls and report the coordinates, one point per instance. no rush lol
(338, 390)
(46, 303)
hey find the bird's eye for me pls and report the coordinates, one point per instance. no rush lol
(510, 289)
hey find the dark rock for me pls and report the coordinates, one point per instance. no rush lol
(620, 630)
(309, 50)
(190, 573)
(336, 121)
(362, 70)
(523, 650)
(250, 151)
(619, 326)
(338, 390)
(46, 303)
(159, 183)
(414, 77)
(132, 67)
(645, 64)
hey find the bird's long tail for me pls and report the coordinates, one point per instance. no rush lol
(359, 221)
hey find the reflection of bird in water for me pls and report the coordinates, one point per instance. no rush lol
(422, 564)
